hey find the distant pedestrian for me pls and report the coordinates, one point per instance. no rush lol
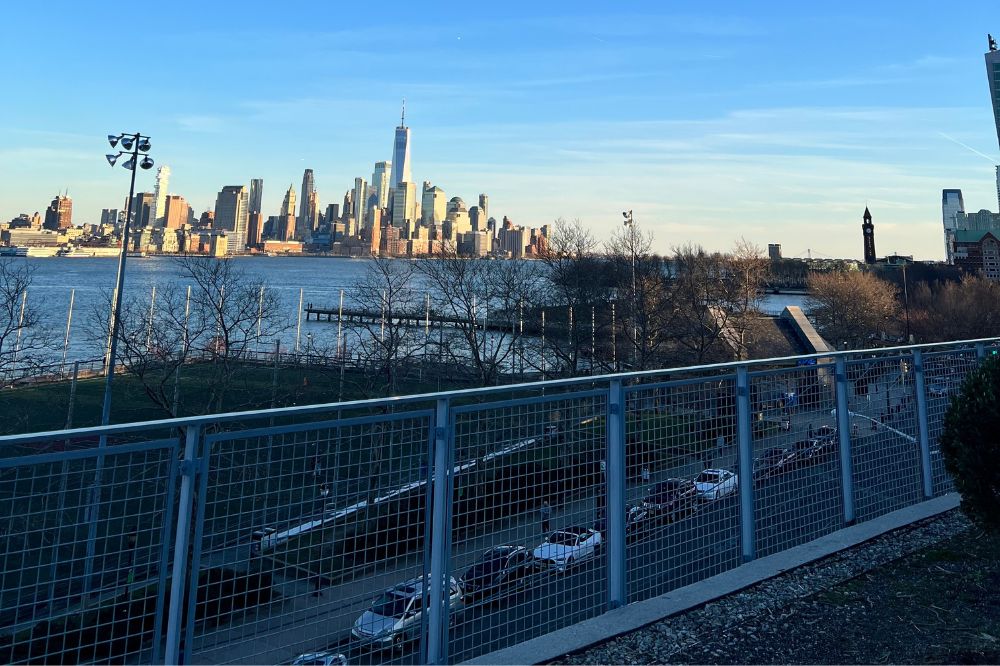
(810, 435)
(855, 430)
(546, 515)
(645, 474)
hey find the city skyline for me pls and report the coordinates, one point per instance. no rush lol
(614, 116)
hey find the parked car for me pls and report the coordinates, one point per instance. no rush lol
(564, 548)
(500, 570)
(638, 522)
(826, 432)
(714, 484)
(772, 462)
(811, 451)
(394, 618)
(669, 498)
(938, 390)
(320, 659)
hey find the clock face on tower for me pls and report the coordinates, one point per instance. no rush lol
(868, 232)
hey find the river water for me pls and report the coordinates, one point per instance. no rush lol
(90, 279)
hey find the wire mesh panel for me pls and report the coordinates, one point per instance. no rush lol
(798, 495)
(313, 541)
(83, 536)
(943, 376)
(682, 487)
(528, 539)
(885, 451)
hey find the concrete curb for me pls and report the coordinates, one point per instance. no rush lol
(640, 614)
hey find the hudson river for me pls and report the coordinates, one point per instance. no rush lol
(319, 278)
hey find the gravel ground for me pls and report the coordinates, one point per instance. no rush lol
(927, 593)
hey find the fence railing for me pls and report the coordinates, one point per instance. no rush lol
(435, 528)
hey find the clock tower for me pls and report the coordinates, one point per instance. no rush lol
(868, 231)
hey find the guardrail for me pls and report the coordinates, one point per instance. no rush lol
(434, 528)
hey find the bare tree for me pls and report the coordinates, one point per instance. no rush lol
(851, 307)
(389, 341)
(22, 334)
(746, 272)
(215, 325)
(964, 310)
(472, 293)
(701, 298)
(577, 284)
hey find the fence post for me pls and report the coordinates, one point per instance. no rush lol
(615, 472)
(188, 470)
(437, 638)
(925, 447)
(744, 440)
(844, 433)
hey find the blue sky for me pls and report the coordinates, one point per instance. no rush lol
(778, 122)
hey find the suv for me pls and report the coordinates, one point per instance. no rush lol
(394, 618)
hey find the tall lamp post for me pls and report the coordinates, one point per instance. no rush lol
(630, 223)
(133, 145)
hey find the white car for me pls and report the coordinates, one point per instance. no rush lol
(565, 547)
(320, 659)
(713, 484)
(395, 617)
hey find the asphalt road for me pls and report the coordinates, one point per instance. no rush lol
(790, 509)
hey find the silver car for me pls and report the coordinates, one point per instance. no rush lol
(395, 617)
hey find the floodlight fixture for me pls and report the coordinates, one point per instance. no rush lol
(112, 158)
(113, 140)
(145, 145)
(147, 162)
(127, 142)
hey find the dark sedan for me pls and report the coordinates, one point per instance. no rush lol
(500, 570)
(772, 462)
(670, 498)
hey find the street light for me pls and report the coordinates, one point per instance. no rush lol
(630, 223)
(134, 144)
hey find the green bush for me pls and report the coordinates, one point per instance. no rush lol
(971, 446)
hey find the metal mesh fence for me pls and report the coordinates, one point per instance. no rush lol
(682, 464)
(84, 557)
(316, 533)
(796, 466)
(526, 519)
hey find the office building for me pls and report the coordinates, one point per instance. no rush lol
(484, 206)
(993, 77)
(381, 180)
(255, 202)
(434, 205)
(303, 223)
(59, 214)
(404, 204)
(774, 251)
(160, 196)
(255, 229)
(142, 210)
(868, 234)
(358, 198)
(977, 252)
(231, 216)
(401, 154)
(951, 204)
(109, 217)
(176, 212)
(313, 211)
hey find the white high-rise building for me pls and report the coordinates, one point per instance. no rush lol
(380, 183)
(401, 153)
(160, 196)
(358, 201)
(951, 204)
(433, 206)
(993, 78)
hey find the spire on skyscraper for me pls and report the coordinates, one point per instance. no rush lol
(402, 115)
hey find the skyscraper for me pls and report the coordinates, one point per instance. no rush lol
(313, 210)
(484, 207)
(433, 205)
(231, 216)
(109, 217)
(868, 232)
(285, 230)
(358, 199)
(380, 183)
(404, 204)
(59, 214)
(993, 77)
(176, 212)
(401, 153)
(254, 205)
(951, 204)
(160, 196)
(304, 224)
(142, 210)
